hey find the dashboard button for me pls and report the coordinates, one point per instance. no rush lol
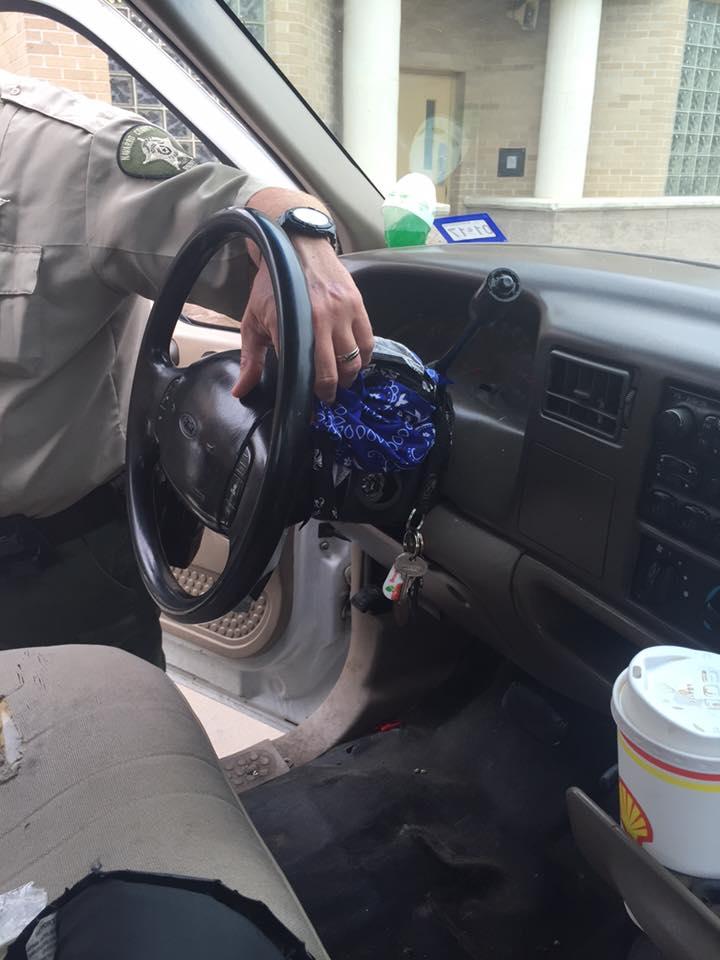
(661, 585)
(694, 522)
(660, 507)
(681, 474)
(709, 439)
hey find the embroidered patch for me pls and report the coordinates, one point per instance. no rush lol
(151, 153)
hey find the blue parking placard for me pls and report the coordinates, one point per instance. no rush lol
(470, 228)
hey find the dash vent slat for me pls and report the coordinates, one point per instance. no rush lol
(586, 394)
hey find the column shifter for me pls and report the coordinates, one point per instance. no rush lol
(488, 306)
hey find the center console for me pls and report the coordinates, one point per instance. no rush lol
(681, 497)
(682, 492)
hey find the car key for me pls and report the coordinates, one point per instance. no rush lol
(411, 566)
(412, 570)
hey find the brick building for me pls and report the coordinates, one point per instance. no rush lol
(37, 47)
(300, 36)
(469, 79)
(654, 124)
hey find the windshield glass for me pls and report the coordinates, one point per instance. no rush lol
(594, 123)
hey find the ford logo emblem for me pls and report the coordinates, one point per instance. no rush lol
(188, 425)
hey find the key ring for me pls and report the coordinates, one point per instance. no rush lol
(413, 542)
(415, 520)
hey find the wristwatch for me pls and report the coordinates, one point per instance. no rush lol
(308, 222)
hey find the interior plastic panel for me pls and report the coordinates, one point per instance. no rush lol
(576, 642)
(674, 919)
(566, 498)
(469, 577)
(567, 507)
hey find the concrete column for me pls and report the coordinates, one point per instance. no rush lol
(567, 98)
(371, 78)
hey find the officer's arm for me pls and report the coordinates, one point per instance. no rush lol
(141, 208)
(339, 318)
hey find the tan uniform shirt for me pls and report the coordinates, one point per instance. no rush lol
(81, 242)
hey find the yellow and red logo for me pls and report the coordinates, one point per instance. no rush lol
(633, 818)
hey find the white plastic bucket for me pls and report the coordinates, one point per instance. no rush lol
(667, 709)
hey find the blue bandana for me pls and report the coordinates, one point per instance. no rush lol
(379, 428)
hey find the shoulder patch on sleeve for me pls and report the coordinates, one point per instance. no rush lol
(151, 153)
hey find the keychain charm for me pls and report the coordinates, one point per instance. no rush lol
(394, 582)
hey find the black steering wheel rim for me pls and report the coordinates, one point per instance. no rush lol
(153, 418)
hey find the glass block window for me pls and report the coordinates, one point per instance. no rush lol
(695, 152)
(251, 14)
(131, 93)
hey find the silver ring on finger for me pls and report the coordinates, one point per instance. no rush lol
(348, 357)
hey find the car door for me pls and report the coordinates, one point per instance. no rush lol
(280, 652)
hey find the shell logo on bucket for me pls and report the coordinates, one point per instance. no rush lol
(632, 817)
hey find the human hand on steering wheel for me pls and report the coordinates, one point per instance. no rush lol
(340, 321)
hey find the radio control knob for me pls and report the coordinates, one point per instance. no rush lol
(676, 423)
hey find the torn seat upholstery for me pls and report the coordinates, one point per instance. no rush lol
(104, 765)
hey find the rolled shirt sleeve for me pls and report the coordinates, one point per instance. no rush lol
(136, 224)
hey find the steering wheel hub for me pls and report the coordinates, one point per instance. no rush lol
(204, 436)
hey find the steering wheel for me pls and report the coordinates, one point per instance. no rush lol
(234, 464)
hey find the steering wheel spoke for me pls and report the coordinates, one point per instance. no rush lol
(233, 463)
(246, 482)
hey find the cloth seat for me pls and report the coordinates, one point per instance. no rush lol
(104, 763)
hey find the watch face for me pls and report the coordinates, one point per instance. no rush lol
(313, 218)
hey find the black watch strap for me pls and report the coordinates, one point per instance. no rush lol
(308, 222)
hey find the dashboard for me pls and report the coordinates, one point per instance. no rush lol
(581, 509)
(497, 367)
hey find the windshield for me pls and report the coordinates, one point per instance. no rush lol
(576, 122)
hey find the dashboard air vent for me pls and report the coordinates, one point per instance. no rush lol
(586, 394)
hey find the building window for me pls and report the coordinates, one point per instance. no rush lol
(130, 93)
(252, 15)
(695, 152)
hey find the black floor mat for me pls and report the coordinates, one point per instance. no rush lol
(448, 838)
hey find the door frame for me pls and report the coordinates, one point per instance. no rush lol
(268, 126)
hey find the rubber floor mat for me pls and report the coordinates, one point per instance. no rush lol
(448, 837)
(246, 768)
